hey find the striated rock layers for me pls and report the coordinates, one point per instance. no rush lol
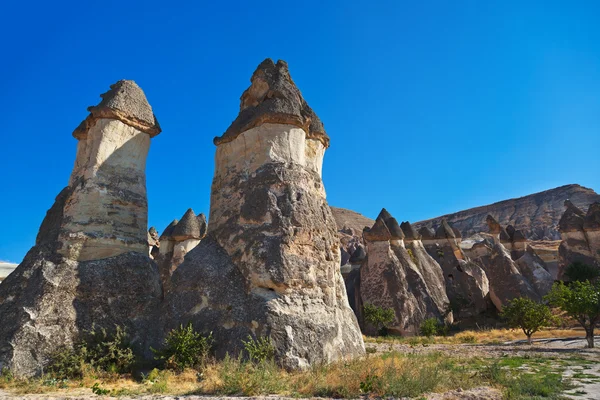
(398, 273)
(580, 233)
(269, 265)
(90, 263)
(536, 215)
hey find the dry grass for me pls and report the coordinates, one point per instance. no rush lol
(491, 336)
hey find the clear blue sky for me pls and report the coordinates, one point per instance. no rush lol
(432, 107)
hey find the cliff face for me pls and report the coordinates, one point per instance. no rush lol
(536, 215)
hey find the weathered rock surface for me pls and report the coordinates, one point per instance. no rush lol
(536, 215)
(467, 286)
(90, 263)
(580, 234)
(270, 264)
(401, 276)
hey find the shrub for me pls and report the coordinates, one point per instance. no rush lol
(581, 272)
(260, 349)
(526, 314)
(379, 317)
(429, 327)
(98, 350)
(184, 348)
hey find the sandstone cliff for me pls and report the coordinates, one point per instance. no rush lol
(536, 215)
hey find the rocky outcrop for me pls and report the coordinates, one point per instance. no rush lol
(153, 242)
(90, 265)
(270, 263)
(536, 215)
(580, 234)
(467, 286)
(401, 276)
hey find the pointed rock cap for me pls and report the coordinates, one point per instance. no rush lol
(126, 102)
(493, 225)
(444, 231)
(378, 232)
(274, 98)
(384, 215)
(202, 224)
(394, 228)
(168, 232)
(358, 255)
(511, 231)
(426, 233)
(572, 219)
(410, 233)
(187, 228)
(504, 236)
(592, 218)
(518, 236)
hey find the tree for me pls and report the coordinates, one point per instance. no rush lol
(579, 271)
(379, 317)
(526, 314)
(580, 300)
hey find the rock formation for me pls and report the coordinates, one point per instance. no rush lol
(90, 263)
(153, 242)
(466, 283)
(536, 215)
(580, 233)
(401, 277)
(270, 264)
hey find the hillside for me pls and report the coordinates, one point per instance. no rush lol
(537, 214)
(351, 219)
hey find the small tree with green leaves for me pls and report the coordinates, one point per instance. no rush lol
(581, 272)
(184, 347)
(580, 300)
(379, 317)
(527, 314)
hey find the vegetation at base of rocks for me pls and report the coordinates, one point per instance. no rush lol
(99, 351)
(433, 327)
(580, 300)
(184, 348)
(390, 374)
(379, 317)
(581, 272)
(259, 349)
(527, 315)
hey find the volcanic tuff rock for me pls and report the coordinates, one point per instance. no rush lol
(404, 278)
(580, 234)
(90, 263)
(536, 215)
(270, 264)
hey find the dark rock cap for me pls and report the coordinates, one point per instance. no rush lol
(426, 233)
(493, 225)
(358, 255)
(511, 231)
(572, 219)
(274, 98)
(384, 215)
(167, 233)
(126, 102)
(592, 218)
(504, 236)
(518, 236)
(410, 233)
(187, 228)
(378, 232)
(457, 233)
(394, 228)
(444, 231)
(202, 224)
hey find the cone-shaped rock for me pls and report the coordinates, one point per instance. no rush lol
(445, 231)
(168, 232)
(410, 233)
(274, 98)
(202, 224)
(270, 263)
(187, 228)
(90, 265)
(426, 233)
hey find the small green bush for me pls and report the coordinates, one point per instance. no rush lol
(260, 349)
(184, 348)
(379, 317)
(581, 272)
(99, 349)
(429, 327)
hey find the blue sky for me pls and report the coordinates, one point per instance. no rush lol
(432, 107)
